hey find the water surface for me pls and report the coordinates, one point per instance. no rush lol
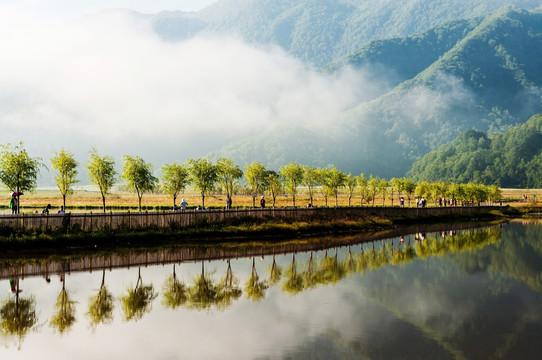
(469, 294)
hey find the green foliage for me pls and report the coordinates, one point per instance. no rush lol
(256, 176)
(66, 166)
(203, 175)
(228, 174)
(175, 178)
(274, 184)
(101, 172)
(18, 317)
(511, 159)
(64, 317)
(18, 171)
(292, 173)
(138, 175)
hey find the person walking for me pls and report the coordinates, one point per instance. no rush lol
(262, 202)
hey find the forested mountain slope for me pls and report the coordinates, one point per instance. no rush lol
(511, 159)
(321, 31)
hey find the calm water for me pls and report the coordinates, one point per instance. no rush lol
(474, 294)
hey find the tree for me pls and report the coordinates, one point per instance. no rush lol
(203, 174)
(323, 179)
(362, 185)
(228, 174)
(372, 185)
(138, 175)
(351, 184)
(101, 172)
(410, 187)
(175, 178)
(274, 184)
(336, 181)
(397, 184)
(18, 171)
(293, 176)
(66, 166)
(310, 180)
(256, 177)
(382, 188)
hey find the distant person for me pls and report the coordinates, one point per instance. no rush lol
(262, 202)
(183, 204)
(61, 211)
(46, 209)
(402, 201)
(13, 204)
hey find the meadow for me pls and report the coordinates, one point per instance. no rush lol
(89, 200)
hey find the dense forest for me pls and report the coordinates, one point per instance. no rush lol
(511, 159)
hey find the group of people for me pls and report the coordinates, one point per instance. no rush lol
(46, 209)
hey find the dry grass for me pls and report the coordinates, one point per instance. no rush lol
(81, 198)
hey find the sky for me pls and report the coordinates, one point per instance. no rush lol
(108, 81)
(69, 8)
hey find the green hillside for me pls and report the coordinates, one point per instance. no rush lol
(322, 31)
(488, 77)
(511, 159)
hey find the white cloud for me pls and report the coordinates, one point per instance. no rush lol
(109, 81)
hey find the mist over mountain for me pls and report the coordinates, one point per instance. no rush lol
(368, 86)
(321, 31)
(480, 73)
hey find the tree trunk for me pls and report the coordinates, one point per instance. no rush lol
(203, 201)
(103, 201)
(64, 201)
(139, 200)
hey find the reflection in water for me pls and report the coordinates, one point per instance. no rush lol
(100, 306)
(17, 314)
(439, 295)
(64, 317)
(137, 300)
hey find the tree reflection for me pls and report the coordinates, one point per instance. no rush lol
(275, 273)
(294, 282)
(311, 277)
(203, 293)
(138, 300)
(100, 308)
(228, 290)
(19, 316)
(175, 293)
(64, 317)
(254, 288)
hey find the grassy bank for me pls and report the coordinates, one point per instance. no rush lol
(233, 230)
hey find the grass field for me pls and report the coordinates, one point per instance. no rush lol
(88, 199)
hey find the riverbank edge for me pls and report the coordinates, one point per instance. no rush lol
(235, 231)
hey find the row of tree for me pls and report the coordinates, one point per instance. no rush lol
(18, 172)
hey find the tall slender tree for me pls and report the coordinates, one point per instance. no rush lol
(101, 172)
(18, 171)
(203, 175)
(293, 177)
(256, 177)
(138, 175)
(175, 178)
(66, 167)
(228, 173)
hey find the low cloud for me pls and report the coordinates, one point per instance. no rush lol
(109, 81)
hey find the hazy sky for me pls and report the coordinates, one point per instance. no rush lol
(62, 8)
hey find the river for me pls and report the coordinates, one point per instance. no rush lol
(447, 294)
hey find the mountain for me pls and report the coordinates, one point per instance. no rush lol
(511, 159)
(321, 31)
(479, 74)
